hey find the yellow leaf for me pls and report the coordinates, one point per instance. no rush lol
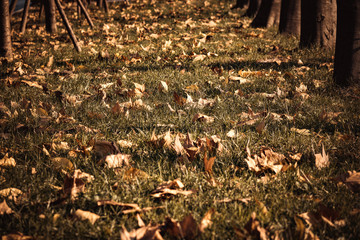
(86, 215)
(60, 163)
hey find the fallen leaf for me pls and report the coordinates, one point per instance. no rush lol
(32, 84)
(86, 215)
(60, 163)
(203, 118)
(171, 188)
(322, 159)
(241, 80)
(178, 99)
(206, 220)
(11, 193)
(5, 209)
(117, 160)
(253, 230)
(16, 236)
(163, 86)
(351, 179)
(304, 132)
(73, 186)
(7, 162)
(127, 207)
(208, 163)
(199, 58)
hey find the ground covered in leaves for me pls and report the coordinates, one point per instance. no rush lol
(177, 120)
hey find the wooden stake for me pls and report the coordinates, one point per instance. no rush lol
(67, 26)
(86, 13)
(12, 7)
(106, 6)
(25, 16)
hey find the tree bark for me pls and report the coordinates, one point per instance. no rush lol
(290, 17)
(253, 8)
(318, 23)
(347, 50)
(268, 14)
(50, 17)
(5, 34)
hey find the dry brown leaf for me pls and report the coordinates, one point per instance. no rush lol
(103, 148)
(86, 215)
(143, 233)
(351, 179)
(171, 188)
(60, 163)
(203, 118)
(73, 186)
(117, 160)
(241, 80)
(304, 132)
(206, 220)
(163, 87)
(11, 193)
(253, 229)
(199, 58)
(127, 207)
(322, 159)
(5, 209)
(16, 236)
(260, 127)
(208, 163)
(228, 200)
(268, 159)
(186, 229)
(32, 84)
(7, 162)
(179, 100)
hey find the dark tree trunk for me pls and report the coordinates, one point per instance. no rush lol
(268, 14)
(240, 4)
(318, 23)
(253, 8)
(50, 17)
(347, 51)
(290, 17)
(5, 35)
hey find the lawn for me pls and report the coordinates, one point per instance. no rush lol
(177, 120)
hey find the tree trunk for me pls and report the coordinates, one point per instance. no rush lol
(253, 8)
(50, 17)
(240, 4)
(290, 17)
(318, 23)
(12, 7)
(268, 14)
(347, 51)
(5, 35)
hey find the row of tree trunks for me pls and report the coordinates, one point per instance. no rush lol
(5, 34)
(323, 23)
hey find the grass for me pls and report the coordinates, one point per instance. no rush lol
(34, 119)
